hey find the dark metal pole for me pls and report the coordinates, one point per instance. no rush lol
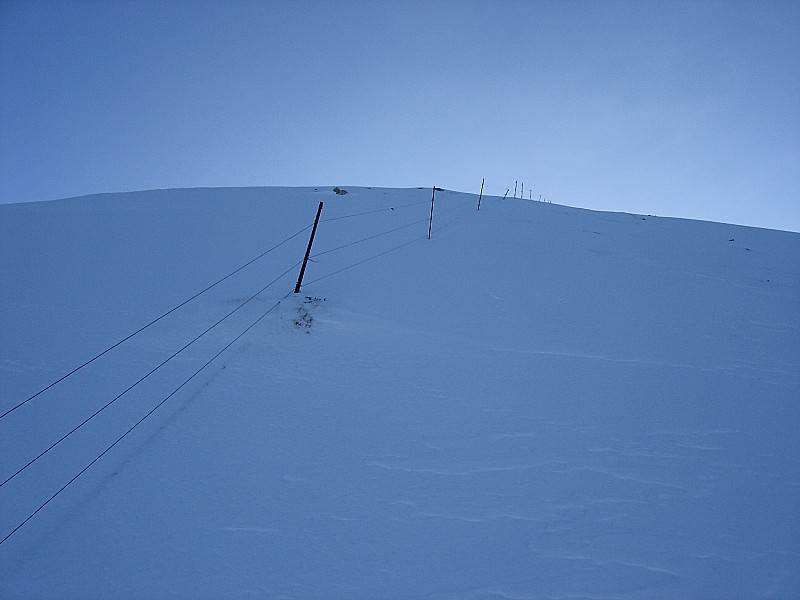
(481, 194)
(430, 223)
(308, 251)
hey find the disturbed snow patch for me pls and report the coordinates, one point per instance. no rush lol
(303, 312)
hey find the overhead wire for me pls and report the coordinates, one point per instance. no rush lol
(372, 237)
(141, 379)
(153, 322)
(360, 262)
(371, 212)
(366, 259)
(377, 235)
(139, 422)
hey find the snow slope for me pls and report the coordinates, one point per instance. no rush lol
(538, 402)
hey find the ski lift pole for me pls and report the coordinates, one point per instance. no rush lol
(308, 251)
(430, 222)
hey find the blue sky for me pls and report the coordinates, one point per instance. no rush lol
(688, 109)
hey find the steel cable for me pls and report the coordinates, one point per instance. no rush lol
(140, 380)
(139, 422)
(153, 322)
(365, 260)
(371, 212)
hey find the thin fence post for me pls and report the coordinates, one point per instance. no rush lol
(506, 194)
(481, 194)
(308, 251)
(522, 191)
(515, 189)
(430, 222)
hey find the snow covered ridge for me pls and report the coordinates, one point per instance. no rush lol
(537, 402)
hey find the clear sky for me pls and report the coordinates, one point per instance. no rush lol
(688, 109)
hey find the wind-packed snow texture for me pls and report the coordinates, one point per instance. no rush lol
(538, 402)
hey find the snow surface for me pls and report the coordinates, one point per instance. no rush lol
(538, 402)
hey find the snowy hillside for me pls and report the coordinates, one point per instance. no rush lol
(538, 402)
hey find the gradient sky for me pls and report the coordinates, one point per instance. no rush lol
(688, 109)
